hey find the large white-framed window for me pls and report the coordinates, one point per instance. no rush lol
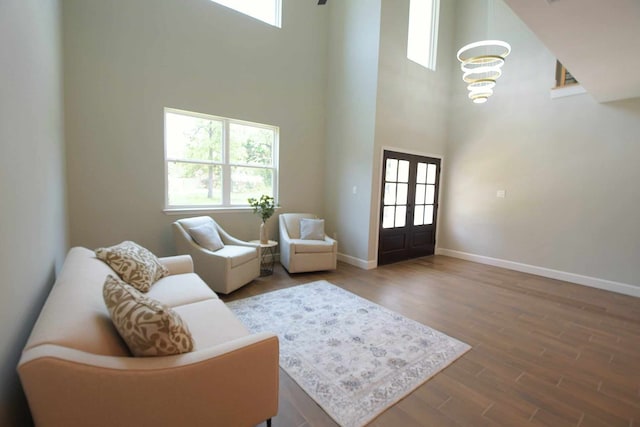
(216, 162)
(269, 11)
(422, 39)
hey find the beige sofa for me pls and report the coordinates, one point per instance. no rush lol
(76, 370)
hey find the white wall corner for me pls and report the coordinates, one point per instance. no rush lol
(593, 282)
(357, 262)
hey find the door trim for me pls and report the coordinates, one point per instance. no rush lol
(378, 190)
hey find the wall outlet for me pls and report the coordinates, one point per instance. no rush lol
(501, 194)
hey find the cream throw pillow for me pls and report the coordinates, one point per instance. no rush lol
(134, 264)
(311, 229)
(206, 235)
(148, 327)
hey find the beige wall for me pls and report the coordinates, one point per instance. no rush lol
(412, 101)
(126, 61)
(351, 106)
(33, 225)
(569, 167)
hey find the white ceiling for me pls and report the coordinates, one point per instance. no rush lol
(598, 41)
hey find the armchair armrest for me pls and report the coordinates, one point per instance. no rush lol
(228, 239)
(330, 240)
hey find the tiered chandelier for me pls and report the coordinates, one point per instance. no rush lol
(481, 64)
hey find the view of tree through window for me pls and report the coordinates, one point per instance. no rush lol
(215, 161)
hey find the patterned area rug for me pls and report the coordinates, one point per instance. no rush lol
(353, 357)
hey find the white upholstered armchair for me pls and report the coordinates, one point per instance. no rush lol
(230, 264)
(301, 252)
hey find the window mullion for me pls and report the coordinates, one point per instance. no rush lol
(226, 168)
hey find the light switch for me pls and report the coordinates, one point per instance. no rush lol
(501, 194)
(355, 189)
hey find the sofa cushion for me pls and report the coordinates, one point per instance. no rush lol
(180, 289)
(238, 254)
(206, 235)
(134, 264)
(211, 323)
(74, 314)
(148, 327)
(311, 229)
(312, 246)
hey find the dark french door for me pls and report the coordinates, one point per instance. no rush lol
(408, 207)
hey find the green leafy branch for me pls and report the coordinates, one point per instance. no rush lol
(265, 206)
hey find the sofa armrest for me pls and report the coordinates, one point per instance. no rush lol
(179, 264)
(235, 383)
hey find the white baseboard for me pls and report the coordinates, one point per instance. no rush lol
(357, 262)
(594, 282)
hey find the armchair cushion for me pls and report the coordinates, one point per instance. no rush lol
(148, 327)
(311, 229)
(206, 236)
(238, 254)
(311, 246)
(134, 264)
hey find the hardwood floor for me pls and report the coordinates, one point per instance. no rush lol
(545, 352)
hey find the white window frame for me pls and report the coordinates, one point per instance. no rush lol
(277, 22)
(225, 163)
(423, 26)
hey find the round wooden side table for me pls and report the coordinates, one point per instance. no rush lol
(267, 257)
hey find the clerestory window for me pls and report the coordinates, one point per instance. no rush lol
(563, 76)
(422, 43)
(269, 11)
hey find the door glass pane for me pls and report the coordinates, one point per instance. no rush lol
(431, 194)
(402, 194)
(420, 194)
(389, 194)
(388, 217)
(401, 216)
(428, 214)
(403, 171)
(421, 176)
(431, 173)
(418, 217)
(392, 170)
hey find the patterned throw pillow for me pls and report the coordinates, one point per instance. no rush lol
(148, 327)
(134, 264)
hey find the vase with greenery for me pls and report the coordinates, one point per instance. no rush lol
(265, 206)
